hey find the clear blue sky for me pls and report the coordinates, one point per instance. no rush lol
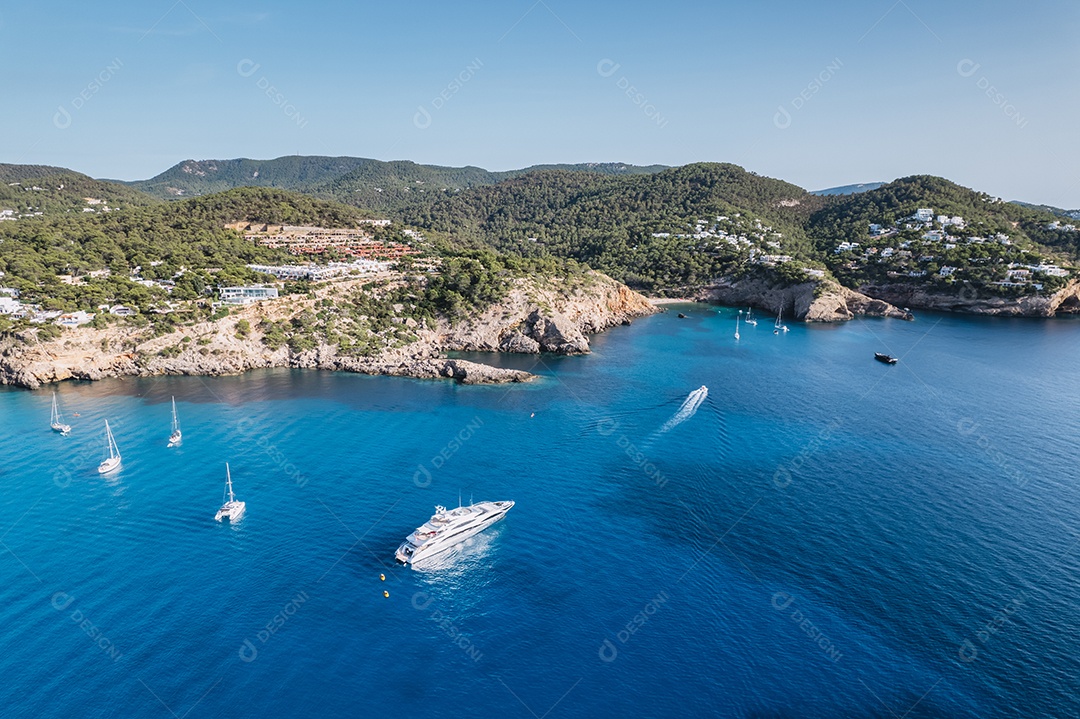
(126, 89)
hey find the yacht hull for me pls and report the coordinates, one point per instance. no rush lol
(410, 553)
(109, 465)
(232, 513)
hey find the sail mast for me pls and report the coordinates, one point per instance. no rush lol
(228, 480)
(110, 440)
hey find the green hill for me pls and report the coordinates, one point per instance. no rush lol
(389, 186)
(163, 239)
(355, 180)
(993, 235)
(192, 178)
(18, 173)
(31, 189)
(630, 225)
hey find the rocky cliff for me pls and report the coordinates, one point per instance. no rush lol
(537, 315)
(552, 316)
(808, 301)
(967, 299)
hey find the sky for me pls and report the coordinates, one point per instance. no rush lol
(986, 94)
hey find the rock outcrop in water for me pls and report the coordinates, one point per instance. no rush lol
(808, 301)
(537, 315)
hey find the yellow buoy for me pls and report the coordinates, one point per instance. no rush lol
(386, 594)
(382, 577)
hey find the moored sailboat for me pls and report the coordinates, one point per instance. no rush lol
(779, 326)
(113, 462)
(57, 421)
(176, 437)
(232, 509)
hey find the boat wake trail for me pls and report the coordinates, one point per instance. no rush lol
(688, 409)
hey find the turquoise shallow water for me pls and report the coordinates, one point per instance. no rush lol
(826, 536)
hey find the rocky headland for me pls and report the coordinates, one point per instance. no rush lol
(969, 300)
(536, 315)
(806, 302)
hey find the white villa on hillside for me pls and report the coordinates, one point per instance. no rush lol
(246, 295)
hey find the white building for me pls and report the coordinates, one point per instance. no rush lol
(1051, 270)
(924, 215)
(246, 295)
(74, 319)
(9, 305)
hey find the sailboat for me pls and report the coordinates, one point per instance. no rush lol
(176, 437)
(232, 509)
(749, 317)
(779, 326)
(57, 420)
(113, 462)
(737, 324)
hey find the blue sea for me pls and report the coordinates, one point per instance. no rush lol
(822, 536)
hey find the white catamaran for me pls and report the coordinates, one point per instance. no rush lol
(750, 317)
(232, 509)
(448, 528)
(113, 462)
(176, 437)
(57, 421)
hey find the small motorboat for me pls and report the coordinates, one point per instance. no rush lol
(682, 316)
(887, 359)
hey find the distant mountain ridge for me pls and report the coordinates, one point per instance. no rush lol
(1070, 214)
(349, 179)
(848, 189)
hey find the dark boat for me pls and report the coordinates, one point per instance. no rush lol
(884, 358)
(682, 316)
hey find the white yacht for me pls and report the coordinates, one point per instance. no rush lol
(112, 463)
(447, 528)
(232, 509)
(57, 420)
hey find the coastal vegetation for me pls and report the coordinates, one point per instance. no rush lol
(661, 230)
(79, 261)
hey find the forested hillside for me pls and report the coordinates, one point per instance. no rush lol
(358, 181)
(30, 189)
(161, 239)
(630, 226)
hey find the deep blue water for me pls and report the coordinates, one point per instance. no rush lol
(825, 537)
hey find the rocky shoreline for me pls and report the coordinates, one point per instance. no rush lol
(830, 302)
(968, 300)
(805, 302)
(537, 315)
